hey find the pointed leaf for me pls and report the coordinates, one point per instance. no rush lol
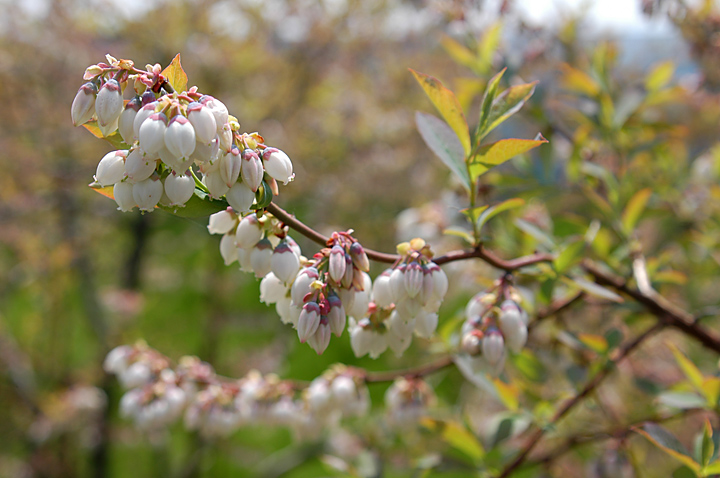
(444, 143)
(569, 256)
(461, 233)
(497, 153)
(175, 75)
(533, 231)
(578, 81)
(493, 211)
(491, 91)
(681, 400)
(692, 373)
(711, 469)
(666, 441)
(505, 105)
(448, 106)
(508, 393)
(598, 343)
(114, 139)
(707, 447)
(711, 390)
(597, 290)
(473, 214)
(459, 53)
(634, 209)
(489, 45)
(660, 76)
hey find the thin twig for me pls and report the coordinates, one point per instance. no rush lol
(420, 371)
(577, 399)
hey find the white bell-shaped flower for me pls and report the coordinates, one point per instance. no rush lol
(285, 263)
(147, 193)
(249, 232)
(203, 121)
(240, 197)
(109, 103)
(127, 120)
(228, 250)
(493, 346)
(180, 137)
(217, 108)
(83, 105)
(252, 170)
(215, 183)
(272, 289)
(229, 167)
(222, 222)
(179, 188)
(139, 167)
(309, 321)
(303, 284)
(320, 340)
(261, 258)
(143, 114)
(111, 168)
(278, 165)
(152, 133)
(123, 194)
(336, 315)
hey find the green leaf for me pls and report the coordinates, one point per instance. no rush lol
(457, 436)
(495, 154)
(461, 233)
(633, 210)
(505, 105)
(530, 366)
(578, 81)
(597, 343)
(711, 469)
(569, 256)
(175, 75)
(444, 143)
(707, 447)
(681, 400)
(459, 53)
(666, 441)
(489, 45)
(659, 76)
(711, 390)
(535, 232)
(448, 106)
(115, 139)
(493, 211)
(487, 101)
(684, 472)
(596, 290)
(692, 373)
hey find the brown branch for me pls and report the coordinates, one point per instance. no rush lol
(421, 371)
(569, 404)
(663, 309)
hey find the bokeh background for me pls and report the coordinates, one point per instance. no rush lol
(327, 82)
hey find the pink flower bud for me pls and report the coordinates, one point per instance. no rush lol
(229, 167)
(127, 120)
(252, 170)
(240, 197)
(179, 188)
(320, 340)
(123, 194)
(336, 315)
(261, 258)
(109, 103)
(111, 168)
(359, 258)
(203, 121)
(336, 263)
(83, 106)
(152, 133)
(180, 137)
(222, 222)
(285, 263)
(471, 343)
(249, 232)
(309, 321)
(302, 284)
(493, 346)
(147, 193)
(141, 116)
(413, 279)
(278, 165)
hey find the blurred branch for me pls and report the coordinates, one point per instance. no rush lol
(667, 312)
(389, 376)
(569, 404)
(555, 308)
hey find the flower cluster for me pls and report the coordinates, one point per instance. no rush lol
(494, 322)
(319, 297)
(169, 132)
(404, 299)
(406, 401)
(159, 394)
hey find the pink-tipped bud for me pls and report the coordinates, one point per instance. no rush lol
(217, 108)
(230, 165)
(109, 103)
(111, 168)
(147, 193)
(351, 278)
(440, 281)
(397, 284)
(249, 232)
(309, 321)
(179, 188)
(336, 315)
(123, 194)
(83, 106)
(336, 263)
(512, 326)
(471, 343)
(240, 197)
(137, 167)
(222, 222)
(278, 165)
(152, 133)
(413, 279)
(252, 170)
(320, 340)
(127, 120)
(203, 121)
(180, 137)
(145, 112)
(359, 258)
(261, 258)
(285, 263)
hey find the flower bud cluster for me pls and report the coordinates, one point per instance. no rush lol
(494, 324)
(326, 289)
(169, 133)
(405, 300)
(218, 406)
(406, 401)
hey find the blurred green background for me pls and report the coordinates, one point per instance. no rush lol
(327, 82)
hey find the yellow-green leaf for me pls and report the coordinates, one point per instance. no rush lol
(457, 436)
(493, 211)
(448, 106)
(711, 469)
(569, 256)
(459, 53)
(497, 153)
(175, 75)
(711, 390)
(444, 143)
(633, 210)
(508, 393)
(598, 343)
(670, 277)
(473, 214)
(692, 373)
(488, 46)
(578, 81)
(505, 105)
(660, 76)
(114, 139)
(667, 442)
(461, 233)
(707, 447)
